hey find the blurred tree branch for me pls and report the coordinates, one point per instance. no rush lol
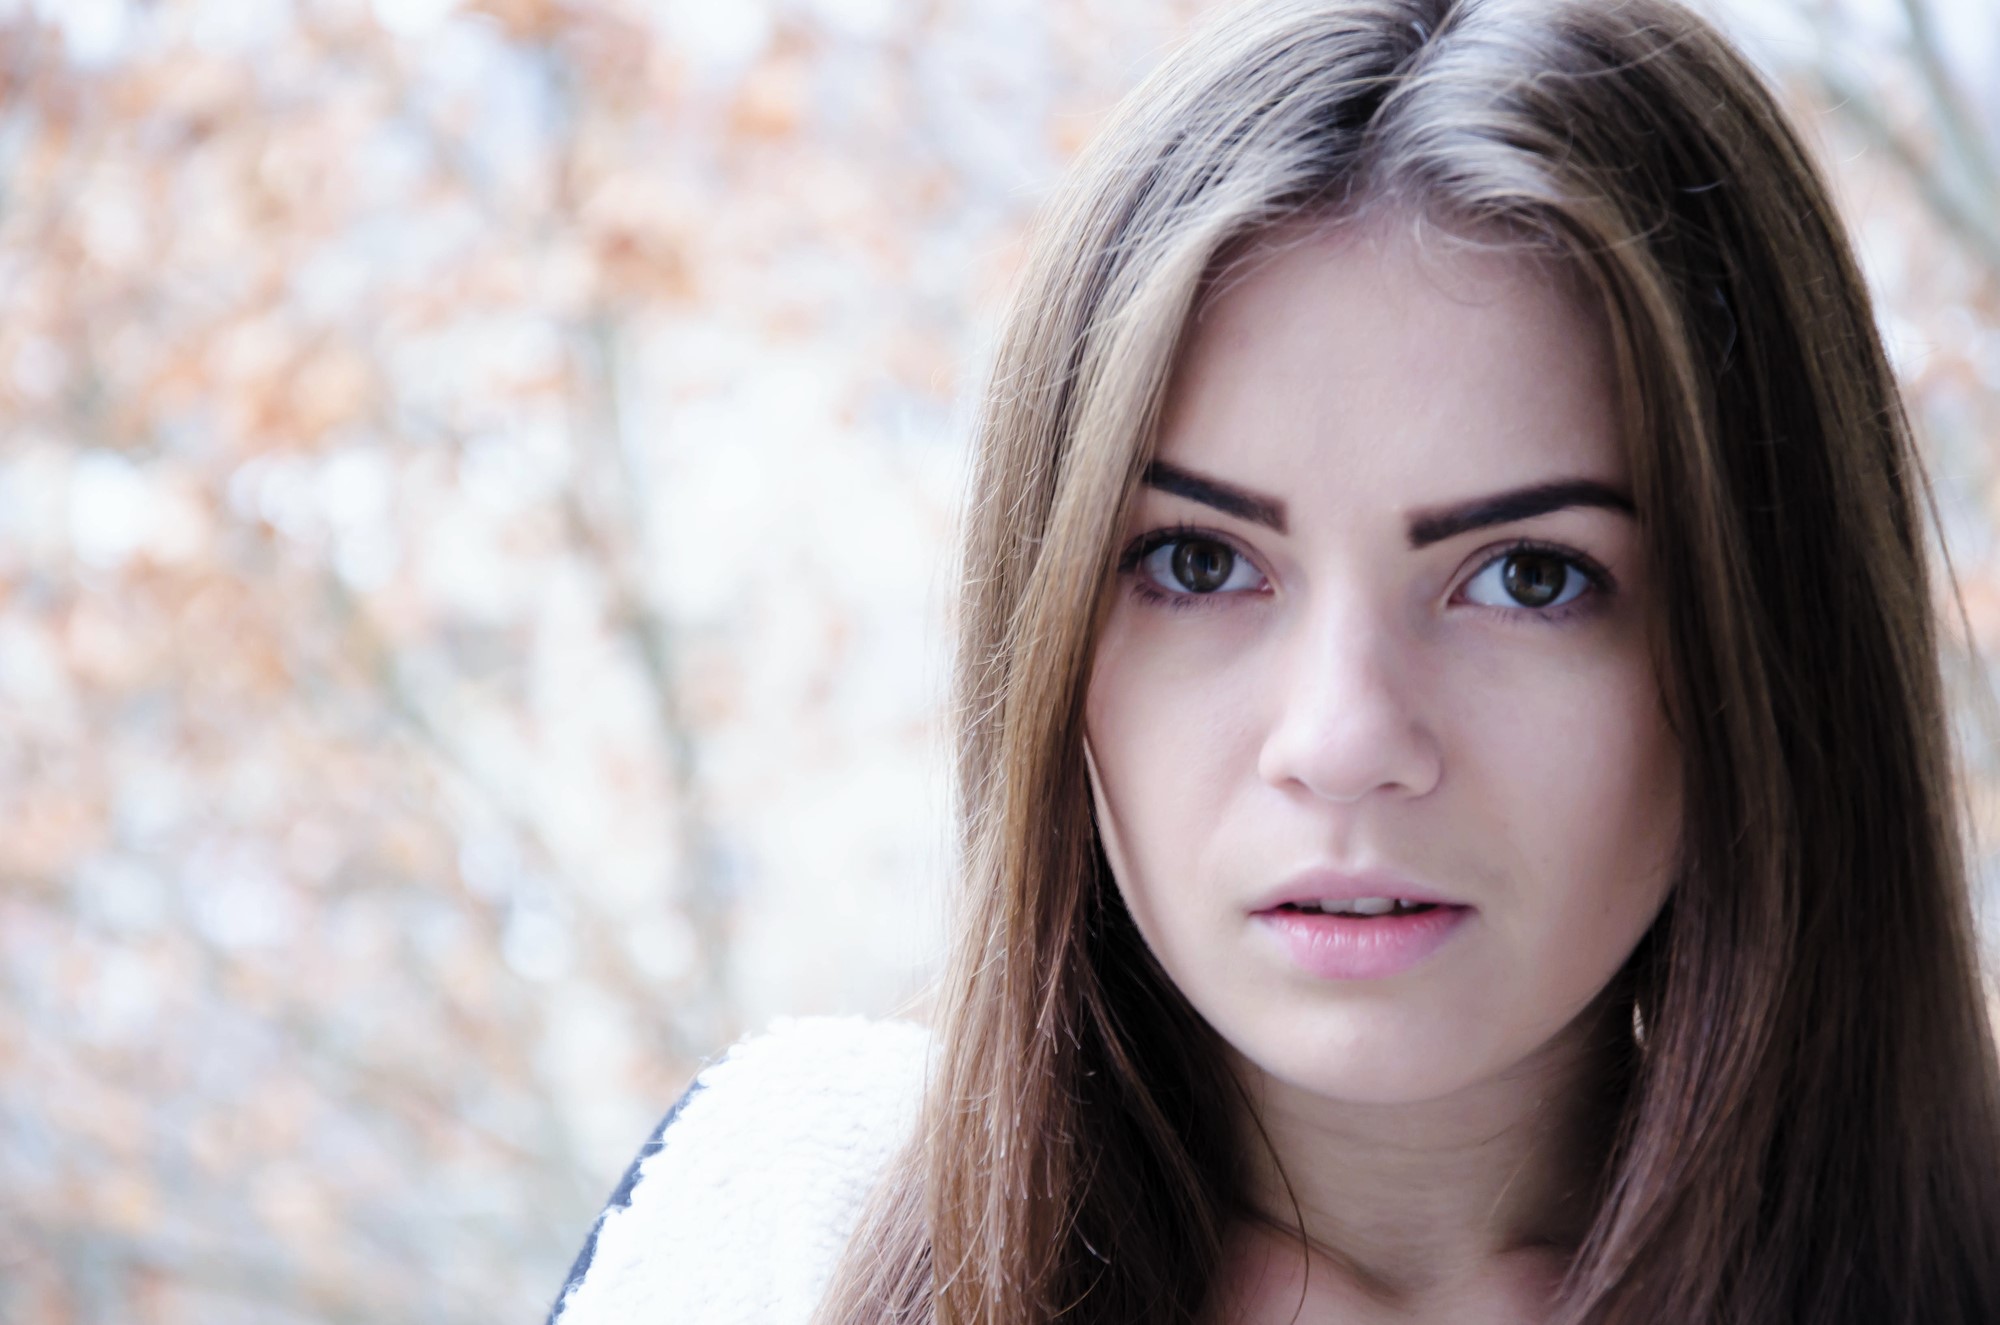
(1957, 178)
(621, 556)
(1962, 137)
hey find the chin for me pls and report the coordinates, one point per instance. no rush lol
(1372, 1079)
(1370, 1058)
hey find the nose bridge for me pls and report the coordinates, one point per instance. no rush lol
(1346, 659)
(1347, 717)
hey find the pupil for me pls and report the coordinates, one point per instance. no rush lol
(1532, 579)
(1203, 567)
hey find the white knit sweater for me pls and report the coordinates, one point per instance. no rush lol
(737, 1209)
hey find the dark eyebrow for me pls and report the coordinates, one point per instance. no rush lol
(1439, 523)
(1224, 497)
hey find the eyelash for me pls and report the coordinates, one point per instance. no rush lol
(1595, 575)
(1148, 543)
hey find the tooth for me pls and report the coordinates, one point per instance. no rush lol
(1373, 906)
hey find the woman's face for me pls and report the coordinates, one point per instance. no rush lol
(1380, 635)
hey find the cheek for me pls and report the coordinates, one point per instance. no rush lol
(1590, 792)
(1164, 733)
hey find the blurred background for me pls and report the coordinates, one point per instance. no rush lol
(476, 494)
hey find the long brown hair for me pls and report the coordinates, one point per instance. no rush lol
(1813, 1131)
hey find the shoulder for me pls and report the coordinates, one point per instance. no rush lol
(738, 1206)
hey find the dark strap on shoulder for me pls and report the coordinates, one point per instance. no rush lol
(619, 1200)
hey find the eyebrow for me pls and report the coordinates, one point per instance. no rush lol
(1225, 497)
(1426, 526)
(1437, 524)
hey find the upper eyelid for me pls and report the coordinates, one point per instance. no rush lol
(1595, 571)
(1154, 539)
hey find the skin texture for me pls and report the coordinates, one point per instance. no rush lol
(1346, 701)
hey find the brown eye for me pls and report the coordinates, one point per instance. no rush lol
(1202, 566)
(1530, 581)
(1534, 579)
(1189, 566)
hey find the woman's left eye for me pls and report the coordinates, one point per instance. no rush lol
(1538, 579)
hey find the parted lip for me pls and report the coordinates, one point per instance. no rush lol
(1331, 885)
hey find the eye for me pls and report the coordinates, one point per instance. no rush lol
(1184, 565)
(1533, 577)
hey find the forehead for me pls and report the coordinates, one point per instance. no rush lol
(1366, 367)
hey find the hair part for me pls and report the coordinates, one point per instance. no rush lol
(1813, 1131)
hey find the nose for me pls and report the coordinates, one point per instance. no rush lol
(1345, 721)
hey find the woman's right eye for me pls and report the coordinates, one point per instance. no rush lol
(1191, 566)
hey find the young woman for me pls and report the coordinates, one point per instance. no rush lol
(1458, 809)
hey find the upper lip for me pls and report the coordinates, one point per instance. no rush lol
(1331, 885)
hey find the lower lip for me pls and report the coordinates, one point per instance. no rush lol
(1363, 947)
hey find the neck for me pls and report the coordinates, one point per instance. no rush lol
(1408, 1200)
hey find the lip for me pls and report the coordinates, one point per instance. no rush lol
(1329, 885)
(1337, 947)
